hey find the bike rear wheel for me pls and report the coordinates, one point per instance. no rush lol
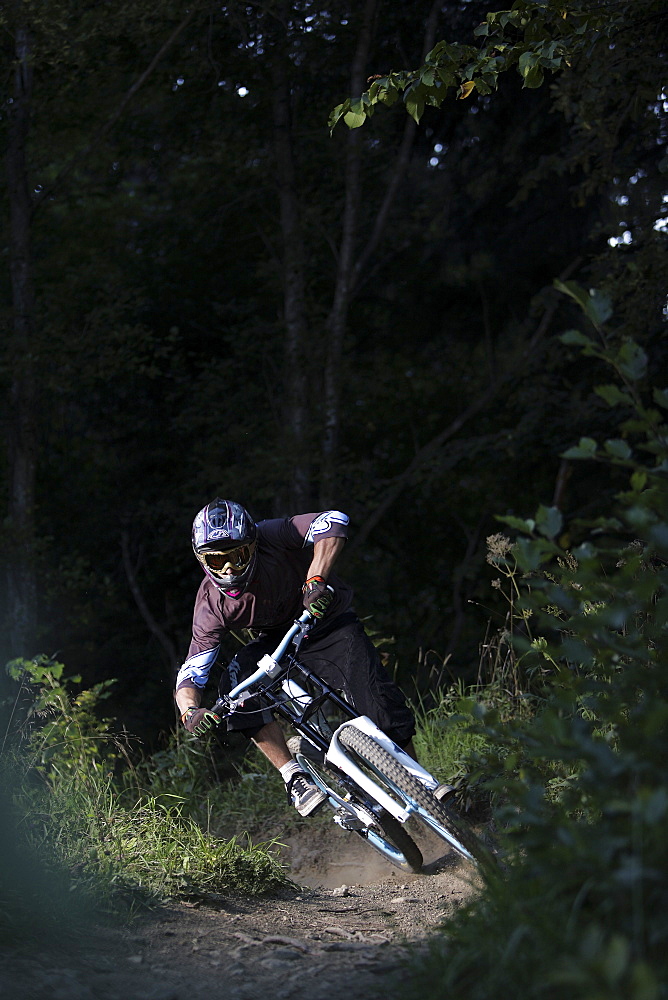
(388, 836)
(407, 790)
(385, 834)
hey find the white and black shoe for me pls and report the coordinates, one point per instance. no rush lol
(304, 794)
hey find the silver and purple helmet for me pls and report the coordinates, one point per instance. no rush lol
(225, 543)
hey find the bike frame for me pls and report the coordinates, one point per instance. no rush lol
(285, 697)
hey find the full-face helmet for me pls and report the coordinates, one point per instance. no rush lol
(225, 543)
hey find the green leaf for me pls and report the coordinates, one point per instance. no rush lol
(638, 481)
(585, 551)
(549, 521)
(388, 96)
(601, 306)
(436, 52)
(595, 305)
(576, 339)
(576, 650)
(632, 360)
(337, 114)
(482, 87)
(613, 395)
(447, 76)
(531, 553)
(534, 78)
(585, 449)
(660, 397)
(526, 62)
(617, 448)
(414, 99)
(354, 119)
(519, 523)
(575, 291)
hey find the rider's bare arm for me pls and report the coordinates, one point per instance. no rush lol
(325, 553)
(187, 697)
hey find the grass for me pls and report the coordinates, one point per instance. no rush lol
(109, 834)
(81, 839)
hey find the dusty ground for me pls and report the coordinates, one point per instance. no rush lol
(347, 932)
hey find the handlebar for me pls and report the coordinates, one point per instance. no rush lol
(268, 665)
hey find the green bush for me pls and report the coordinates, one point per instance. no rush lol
(80, 830)
(581, 907)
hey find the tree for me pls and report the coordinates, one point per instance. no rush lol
(229, 299)
(40, 44)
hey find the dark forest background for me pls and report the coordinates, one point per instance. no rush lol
(207, 293)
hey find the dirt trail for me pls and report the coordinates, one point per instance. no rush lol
(347, 932)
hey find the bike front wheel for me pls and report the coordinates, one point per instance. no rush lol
(408, 791)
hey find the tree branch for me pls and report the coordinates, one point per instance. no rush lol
(349, 269)
(400, 163)
(153, 626)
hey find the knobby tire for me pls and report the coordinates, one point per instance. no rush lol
(402, 785)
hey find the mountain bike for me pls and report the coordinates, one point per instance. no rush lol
(373, 787)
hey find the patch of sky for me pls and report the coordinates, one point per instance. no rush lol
(661, 105)
(624, 239)
(661, 225)
(439, 149)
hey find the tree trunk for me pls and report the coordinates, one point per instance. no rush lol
(338, 316)
(20, 549)
(295, 354)
(351, 268)
(21, 435)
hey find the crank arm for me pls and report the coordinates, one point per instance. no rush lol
(347, 812)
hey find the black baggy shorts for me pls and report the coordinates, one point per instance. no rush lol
(342, 654)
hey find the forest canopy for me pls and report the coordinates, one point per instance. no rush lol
(209, 290)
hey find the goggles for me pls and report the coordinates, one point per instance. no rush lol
(233, 561)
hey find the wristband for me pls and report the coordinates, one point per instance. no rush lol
(187, 712)
(313, 579)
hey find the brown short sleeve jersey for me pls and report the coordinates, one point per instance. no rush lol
(273, 598)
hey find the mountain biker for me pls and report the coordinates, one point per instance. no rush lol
(261, 576)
